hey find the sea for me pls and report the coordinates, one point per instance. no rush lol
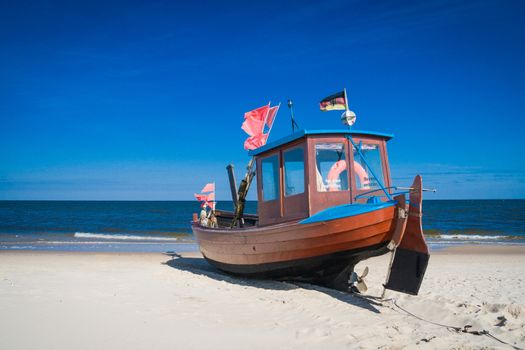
(160, 226)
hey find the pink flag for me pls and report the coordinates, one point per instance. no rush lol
(259, 113)
(211, 196)
(253, 126)
(271, 116)
(201, 197)
(210, 187)
(254, 120)
(255, 141)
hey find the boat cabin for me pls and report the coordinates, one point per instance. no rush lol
(304, 173)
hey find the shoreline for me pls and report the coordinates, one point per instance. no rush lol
(162, 247)
(482, 249)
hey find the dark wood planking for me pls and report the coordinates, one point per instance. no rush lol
(414, 238)
(325, 270)
(224, 218)
(294, 255)
(401, 224)
(298, 242)
(266, 245)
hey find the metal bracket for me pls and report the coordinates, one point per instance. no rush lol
(402, 213)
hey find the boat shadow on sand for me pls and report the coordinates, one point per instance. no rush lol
(200, 266)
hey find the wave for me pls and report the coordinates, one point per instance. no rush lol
(471, 237)
(125, 237)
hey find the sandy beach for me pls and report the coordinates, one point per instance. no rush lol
(55, 300)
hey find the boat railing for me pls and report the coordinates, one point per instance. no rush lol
(403, 190)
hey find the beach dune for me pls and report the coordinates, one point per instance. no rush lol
(60, 300)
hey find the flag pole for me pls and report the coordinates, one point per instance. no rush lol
(346, 100)
(262, 132)
(273, 121)
(266, 118)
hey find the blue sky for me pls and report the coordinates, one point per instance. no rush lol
(144, 100)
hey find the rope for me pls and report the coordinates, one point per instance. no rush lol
(394, 302)
(464, 329)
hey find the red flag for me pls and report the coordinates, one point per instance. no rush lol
(255, 141)
(254, 120)
(258, 113)
(253, 126)
(271, 116)
(201, 197)
(210, 187)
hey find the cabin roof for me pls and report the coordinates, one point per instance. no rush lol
(301, 133)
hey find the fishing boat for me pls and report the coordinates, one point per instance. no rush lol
(325, 201)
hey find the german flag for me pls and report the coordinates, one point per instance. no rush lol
(335, 102)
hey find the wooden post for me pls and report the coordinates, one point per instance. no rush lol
(233, 185)
(243, 191)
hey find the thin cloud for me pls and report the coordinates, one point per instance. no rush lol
(463, 182)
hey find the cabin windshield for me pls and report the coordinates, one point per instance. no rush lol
(331, 168)
(270, 178)
(293, 171)
(363, 176)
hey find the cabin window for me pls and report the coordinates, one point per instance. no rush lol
(270, 178)
(293, 171)
(363, 176)
(332, 174)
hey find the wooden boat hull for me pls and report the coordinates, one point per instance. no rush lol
(323, 252)
(331, 270)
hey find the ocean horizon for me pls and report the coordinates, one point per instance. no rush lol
(123, 225)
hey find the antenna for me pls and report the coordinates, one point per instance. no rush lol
(294, 124)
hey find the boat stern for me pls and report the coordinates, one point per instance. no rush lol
(411, 255)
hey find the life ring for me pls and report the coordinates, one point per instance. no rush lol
(361, 173)
(339, 167)
(333, 175)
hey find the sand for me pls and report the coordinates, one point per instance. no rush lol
(53, 300)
